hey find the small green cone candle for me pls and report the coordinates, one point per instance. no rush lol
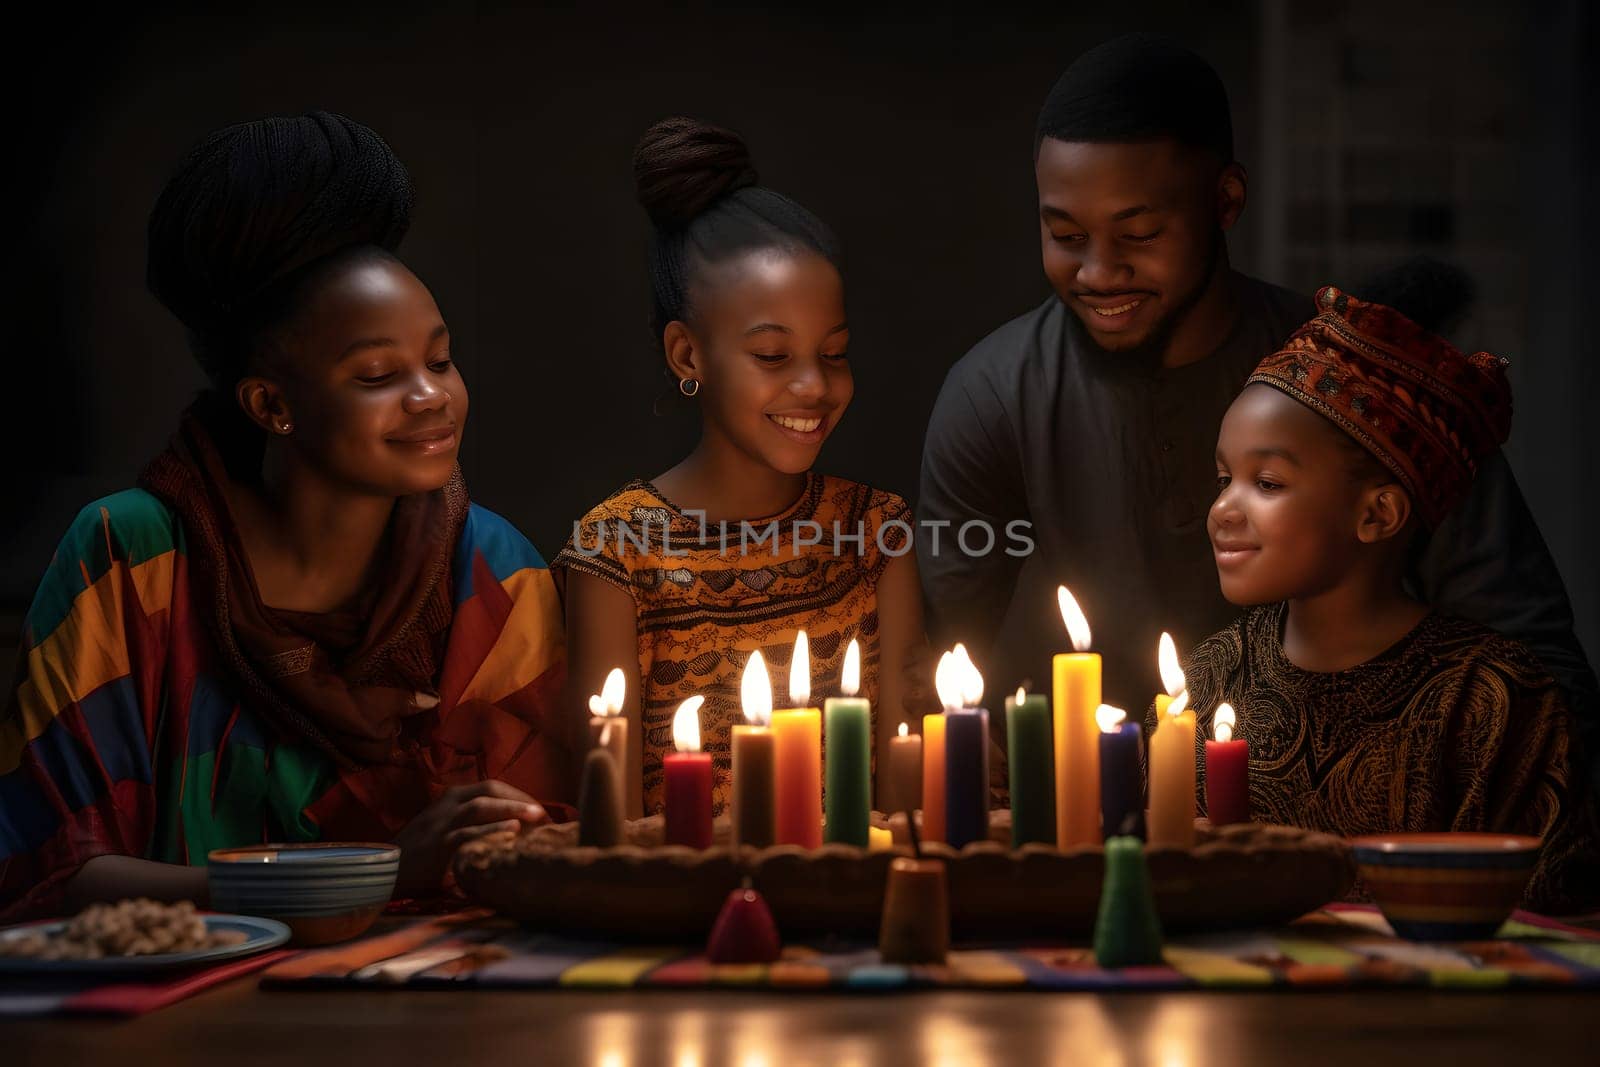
(1127, 932)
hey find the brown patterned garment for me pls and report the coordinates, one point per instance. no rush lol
(704, 606)
(1454, 728)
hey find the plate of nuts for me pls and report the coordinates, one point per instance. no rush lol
(134, 935)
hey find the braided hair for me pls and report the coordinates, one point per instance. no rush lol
(251, 213)
(699, 187)
(252, 217)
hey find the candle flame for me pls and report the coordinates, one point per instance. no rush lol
(1109, 718)
(970, 680)
(1022, 695)
(755, 691)
(609, 699)
(800, 672)
(1172, 679)
(1179, 705)
(1072, 615)
(946, 683)
(850, 682)
(1224, 721)
(904, 729)
(686, 725)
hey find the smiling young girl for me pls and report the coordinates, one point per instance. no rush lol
(1366, 710)
(740, 544)
(298, 627)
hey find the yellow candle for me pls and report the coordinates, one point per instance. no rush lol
(1076, 677)
(933, 777)
(797, 748)
(1172, 758)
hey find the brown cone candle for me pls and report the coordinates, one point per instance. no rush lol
(916, 913)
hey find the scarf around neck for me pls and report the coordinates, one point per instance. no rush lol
(344, 684)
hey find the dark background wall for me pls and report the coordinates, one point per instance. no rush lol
(908, 130)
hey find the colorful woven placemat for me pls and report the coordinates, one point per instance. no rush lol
(1339, 946)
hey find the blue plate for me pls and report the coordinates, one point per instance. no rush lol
(261, 934)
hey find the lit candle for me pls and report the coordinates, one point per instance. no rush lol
(1076, 676)
(754, 814)
(933, 777)
(797, 743)
(1121, 784)
(599, 800)
(847, 723)
(966, 755)
(606, 721)
(687, 795)
(1227, 772)
(905, 772)
(1029, 755)
(1172, 758)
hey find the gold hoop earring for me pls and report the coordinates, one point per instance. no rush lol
(689, 386)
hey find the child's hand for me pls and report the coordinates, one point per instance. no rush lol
(429, 841)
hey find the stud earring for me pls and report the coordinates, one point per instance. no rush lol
(689, 386)
(285, 427)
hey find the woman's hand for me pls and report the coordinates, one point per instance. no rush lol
(429, 842)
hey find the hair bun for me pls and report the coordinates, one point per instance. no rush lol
(682, 166)
(253, 202)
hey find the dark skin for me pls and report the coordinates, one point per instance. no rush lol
(768, 343)
(362, 405)
(1131, 237)
(1303, 516)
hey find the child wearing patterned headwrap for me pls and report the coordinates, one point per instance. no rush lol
(1366, 711)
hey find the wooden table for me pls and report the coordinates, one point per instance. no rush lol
(239, 1025)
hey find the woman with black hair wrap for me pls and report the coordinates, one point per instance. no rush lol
(297, 627)
(678, 574)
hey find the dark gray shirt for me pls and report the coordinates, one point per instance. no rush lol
(1110, 457)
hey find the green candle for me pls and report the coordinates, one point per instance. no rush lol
(847, 772)
(1032, 764)
(1127, 931)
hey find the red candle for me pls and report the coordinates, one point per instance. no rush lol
(687, 789)
(1227, 773)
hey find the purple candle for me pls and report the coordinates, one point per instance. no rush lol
(966, 776)
(1121, 788)
(966, 755)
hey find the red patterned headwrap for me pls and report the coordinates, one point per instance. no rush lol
(1426, 410)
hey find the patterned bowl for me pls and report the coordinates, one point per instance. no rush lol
(1446, 886)
(323, 892)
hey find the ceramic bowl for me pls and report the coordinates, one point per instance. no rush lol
(1446, 886)
(323, 892)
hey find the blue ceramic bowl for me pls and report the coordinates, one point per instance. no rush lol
(323, 892)
(1446, 887)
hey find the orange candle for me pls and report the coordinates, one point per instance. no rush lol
(1172, 758)
(1076, 677)
(933, 777)
(797, 748)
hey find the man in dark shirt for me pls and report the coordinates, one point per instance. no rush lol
(1095, 416)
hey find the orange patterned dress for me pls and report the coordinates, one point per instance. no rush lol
(709, 595)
